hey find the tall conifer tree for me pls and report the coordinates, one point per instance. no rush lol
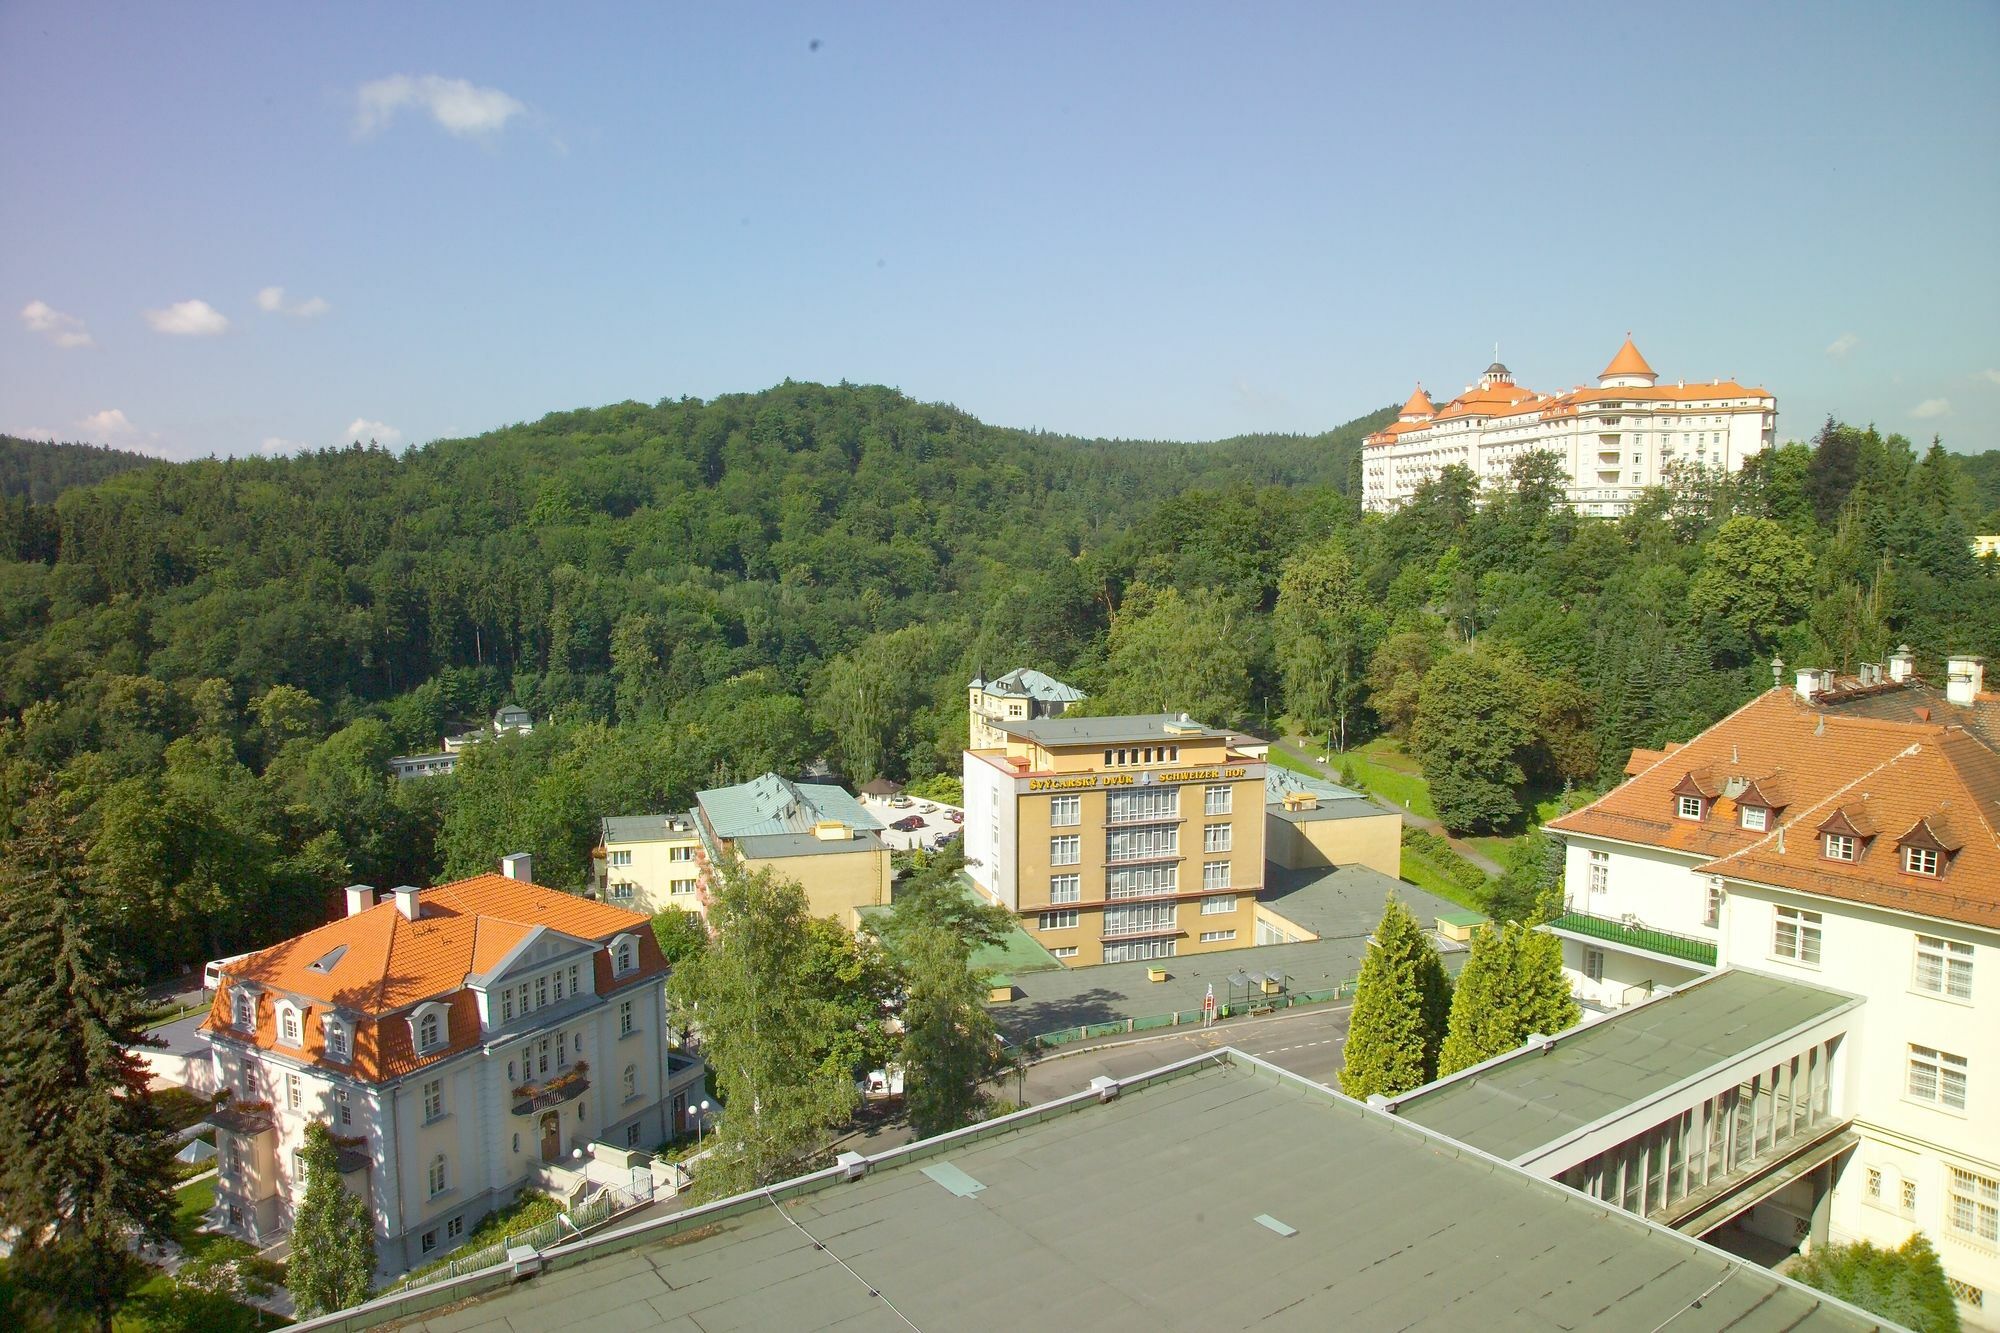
(1481, 1025)
(1399, 1010)
(333, 1238)
(88, 1159)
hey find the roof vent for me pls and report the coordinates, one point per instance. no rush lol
(852, 1165)
(1271, 1223)
(518, 865)
(328, 963)
(1104, 1088)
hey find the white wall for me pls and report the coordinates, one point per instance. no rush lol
(1872, 952)
(990, 836)
(1658, 887)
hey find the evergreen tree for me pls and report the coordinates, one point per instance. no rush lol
(333, 1238)
(88, 1160)
(949, 1044)
(1400, 1010)
(1480, 1000)
(1541, 1000)
(1906, 1284)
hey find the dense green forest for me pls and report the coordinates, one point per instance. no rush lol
(216, 658)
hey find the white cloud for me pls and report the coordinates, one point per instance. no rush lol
(1841, 346)
(459, 107)
(272, 300)
(278, 444)
(1990, 376)
(188, 319)
(363, 429)
(60, 329)
(109, 424)
(1931, 407)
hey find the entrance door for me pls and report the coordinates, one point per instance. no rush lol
(551, 1136)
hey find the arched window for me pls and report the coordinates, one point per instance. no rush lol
(437, 1174)
(338, 1045)
(288, 1024)
(427, 1032)
(631, 1081)
(246, 1011)
(624, 955)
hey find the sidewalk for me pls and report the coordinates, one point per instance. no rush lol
(1410, 817)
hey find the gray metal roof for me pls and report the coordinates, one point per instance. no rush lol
(1532, 1097)
(1031, 684)
(1106, 730)
(771, 804)
(1345, 902)
(1217, 1194)
(646, 828)
(767, 846)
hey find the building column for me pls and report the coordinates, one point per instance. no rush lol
(1819, 1228)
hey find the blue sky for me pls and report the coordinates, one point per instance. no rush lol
(1140, 220)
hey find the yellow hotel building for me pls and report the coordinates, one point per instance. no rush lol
(1118, 838)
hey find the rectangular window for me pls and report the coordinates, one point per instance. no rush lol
(1600, 872)
(680, 886)
(1909, 1198)
(1217, 837)
(1140, 919)
(293, 1095)
(1215, 875)
(1937, 1077)
(1944, 967)
(1796, 936)
(621, 858)
(454, 1228)
(1217, 936)
(1217, 800)
(1920, 860)
(1066, 850)
(680, 853)
(1839, 847)
(1712, 916)
(1972, 1205)
(430, 1241)
(1141, 881)
(1220, 904)
(621, 892)
(1133, 807)
(1065, 811)
(1135, 951)
(1875, 1184)
(1065, 889)
(1064, 920)
(541, 991)
(1593, 964)
(624, 1017)
(342, 1110)
(433, 1099)
(507, 1005)
(524, 997)
(572, 979)
(1141, 844)
(559, 989)
(1067, 951)
(1753, 817)
(1689, 807)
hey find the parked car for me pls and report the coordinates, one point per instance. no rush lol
(908, 823)
(956, 816)
(926, 807)
(900, 802)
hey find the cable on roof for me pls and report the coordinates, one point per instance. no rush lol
(820, 1245)
(1695, 1304)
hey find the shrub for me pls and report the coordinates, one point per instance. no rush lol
(1906, 1284)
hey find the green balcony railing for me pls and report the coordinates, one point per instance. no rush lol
(1662, 942)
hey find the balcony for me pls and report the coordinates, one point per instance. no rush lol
(1633, 935)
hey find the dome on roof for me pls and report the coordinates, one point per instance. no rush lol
(1497, 369)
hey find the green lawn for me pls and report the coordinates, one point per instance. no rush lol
(1418, 870)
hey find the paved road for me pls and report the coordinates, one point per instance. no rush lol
(1410, 817)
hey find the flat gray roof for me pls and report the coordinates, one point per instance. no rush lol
(1217, 1194)
(1345, 902)
(1106, 730)
(1531, 1097)
(765, 846)
(1051, 1001)
(647, 828)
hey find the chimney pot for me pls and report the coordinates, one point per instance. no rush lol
(518, 865)
(406, 901)
(360, 897)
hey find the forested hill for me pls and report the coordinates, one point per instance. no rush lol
(209, 663)
(40, 471)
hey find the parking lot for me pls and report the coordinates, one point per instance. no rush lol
(934, 822)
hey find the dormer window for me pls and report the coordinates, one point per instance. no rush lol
(430, 1027)
(1688, 807)
(288, 1023)
(1920, 860)
(1928, 847)
(1839, 847)
(1754, 817)
(339, 1042)
(246, 1011)
(624, 955)
(427, 1032)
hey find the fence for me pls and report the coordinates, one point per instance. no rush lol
(1118, 1027)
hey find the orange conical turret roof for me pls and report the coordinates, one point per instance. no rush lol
(1419, 405)
(1627, 362)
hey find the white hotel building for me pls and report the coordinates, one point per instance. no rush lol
(1613, 441)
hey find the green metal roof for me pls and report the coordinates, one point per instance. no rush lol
(1206, 1196)
(1031, 683)
(1514, 1105)
(771, 806)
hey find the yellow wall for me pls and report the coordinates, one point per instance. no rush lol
(835, 883)
(1375, 841)
(652, 874)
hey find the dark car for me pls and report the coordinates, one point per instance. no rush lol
(908, 822)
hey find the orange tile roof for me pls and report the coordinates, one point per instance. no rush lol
(1941, 789)
(1418, 404)
(387, 964)
(1776, 732)
(1627, 362)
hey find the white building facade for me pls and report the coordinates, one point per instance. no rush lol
(1612, 442)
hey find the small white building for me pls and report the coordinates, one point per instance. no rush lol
(462, 1043)
(1612, 442)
